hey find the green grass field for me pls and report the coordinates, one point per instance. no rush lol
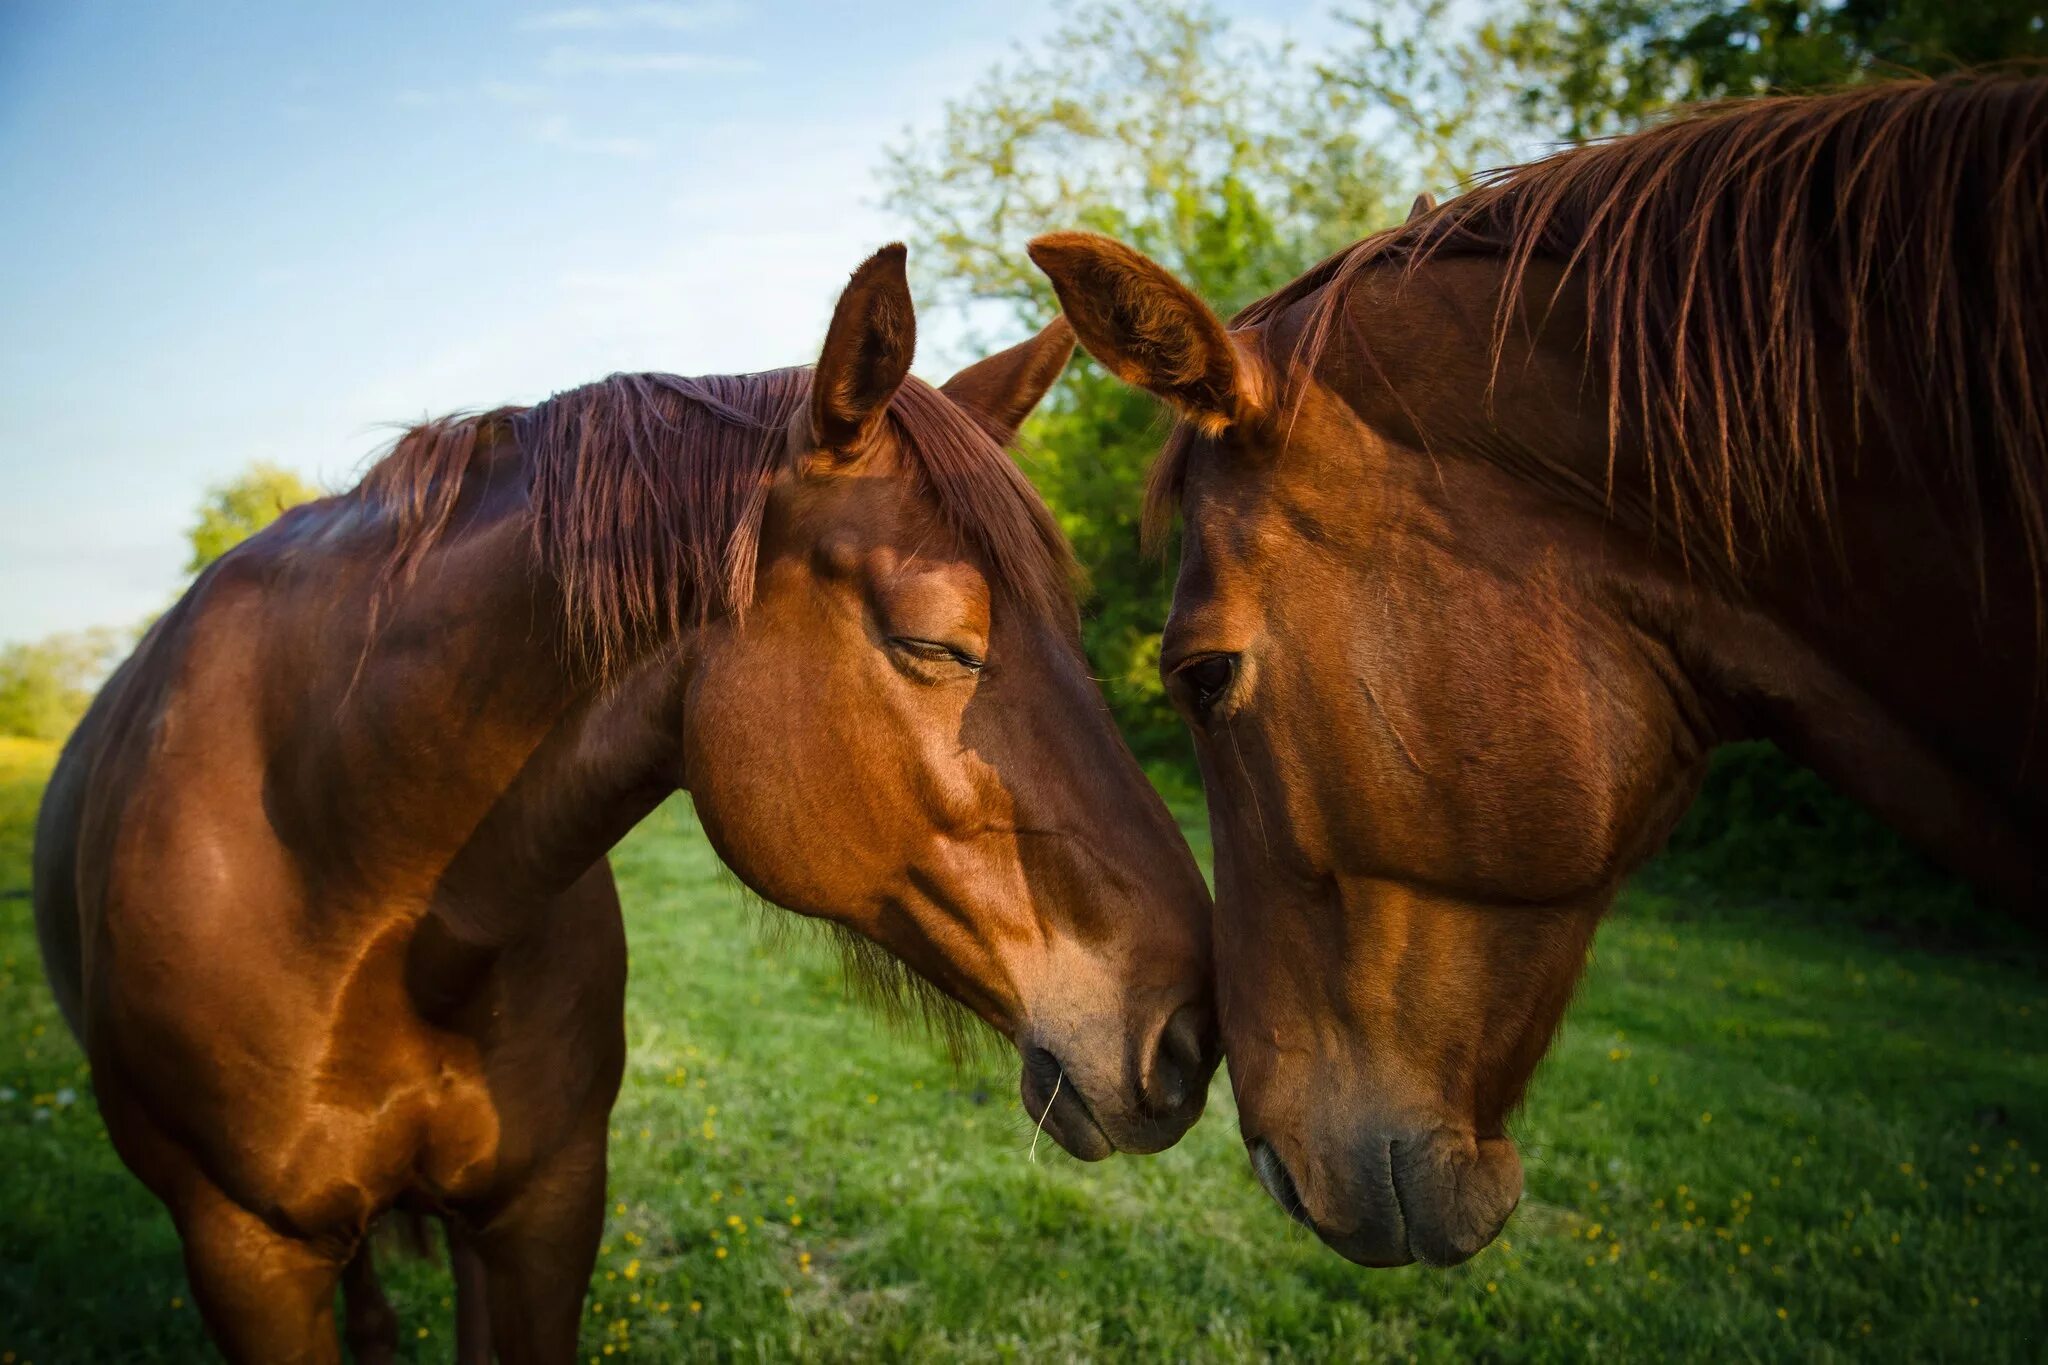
(1761, 1137)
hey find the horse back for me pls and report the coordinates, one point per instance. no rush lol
(61, 851)
(53, 874)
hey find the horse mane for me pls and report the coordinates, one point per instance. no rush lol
(646, 496)
(1737, 259)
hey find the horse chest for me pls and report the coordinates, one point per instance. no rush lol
(412, 1102)
(343, 1099)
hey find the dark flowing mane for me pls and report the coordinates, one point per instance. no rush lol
(647, 493)
(1741, 257)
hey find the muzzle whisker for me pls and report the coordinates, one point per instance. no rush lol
(1258, 814)
(1057, 1081)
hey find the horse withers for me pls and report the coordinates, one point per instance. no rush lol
(1495, 524)
(320, 880)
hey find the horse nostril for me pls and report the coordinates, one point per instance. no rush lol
(1041, 1067)
(1181, 1063)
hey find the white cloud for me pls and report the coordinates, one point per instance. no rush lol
(557, 132)
(673, 17)
(578, 61)
(512, 92)
(496, 92)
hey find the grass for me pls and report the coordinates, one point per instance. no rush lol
(1761, 1136)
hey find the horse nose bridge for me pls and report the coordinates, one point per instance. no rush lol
(1128, 888)
(1122, 843)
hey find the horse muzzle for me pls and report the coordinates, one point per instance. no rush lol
(1437, 1197)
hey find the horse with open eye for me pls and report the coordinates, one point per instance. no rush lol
(1495, 524)
(320, 880)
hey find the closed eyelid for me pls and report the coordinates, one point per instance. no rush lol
(949, 605)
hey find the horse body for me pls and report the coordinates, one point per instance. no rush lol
(257, 815)
(1495, 524)
(320, 879)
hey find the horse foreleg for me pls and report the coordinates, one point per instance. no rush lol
(472, 1300)
(368, 1324)
(538, 1249)
(268, 1299)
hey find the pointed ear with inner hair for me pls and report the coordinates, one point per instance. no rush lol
(867, 353)
(1006, 386)
(1148, 328)
(1424, 202)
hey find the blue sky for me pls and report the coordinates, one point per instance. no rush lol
(234, 232)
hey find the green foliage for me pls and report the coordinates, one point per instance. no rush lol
(1439, 102)
(1228, 160)
(1586, 67)
(239, 508)
(1765, 829)
(46, 685)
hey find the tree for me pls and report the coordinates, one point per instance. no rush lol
(45, 686)
(239, 508)
(1585, 67)
(1430, 82)
(1230, 161)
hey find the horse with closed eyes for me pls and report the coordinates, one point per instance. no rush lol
(320, 881)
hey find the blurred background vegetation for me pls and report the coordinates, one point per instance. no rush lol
(233, 511)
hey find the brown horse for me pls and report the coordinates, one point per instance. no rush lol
(320, 881)
(1498, 522)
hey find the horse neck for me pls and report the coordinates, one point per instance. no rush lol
(589, 776)
(1871, 645)
(607, 760)
(446, 751)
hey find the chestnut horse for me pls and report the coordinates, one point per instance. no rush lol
(320, 881)
(1495, 524)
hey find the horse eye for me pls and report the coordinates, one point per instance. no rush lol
(1208, 677)
(934, 651)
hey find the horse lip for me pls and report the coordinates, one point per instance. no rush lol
(1357, 1246)
(1274, 1178)
(1400, 1206)
(1038, 1062)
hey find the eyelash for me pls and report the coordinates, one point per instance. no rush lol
(1206, 697)
(936, 652)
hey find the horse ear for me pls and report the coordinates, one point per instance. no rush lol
(1424, 202)
(1006, 386)
(1147, 327)
(867, 352)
